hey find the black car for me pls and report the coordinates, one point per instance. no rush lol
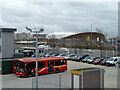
(79, 58)
(104, 61)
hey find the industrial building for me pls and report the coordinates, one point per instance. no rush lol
(7, 42)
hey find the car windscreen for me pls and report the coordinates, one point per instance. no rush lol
(88, 57)
(98, 59)
(111, 59)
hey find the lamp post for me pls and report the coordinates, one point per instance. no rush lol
(36, 69)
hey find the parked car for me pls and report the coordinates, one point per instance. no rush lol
(104, 61)
(97, 61)
(54, 55)
(48, 54)
(68, 57)
(61, 56)
(113, 61)
(72, 57)
(86, 59)
(79, 58)
(90, 61)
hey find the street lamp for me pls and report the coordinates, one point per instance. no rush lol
(35, 31)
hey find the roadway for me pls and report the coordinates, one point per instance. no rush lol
(52, 80)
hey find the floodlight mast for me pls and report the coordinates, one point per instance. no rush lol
(36, 69)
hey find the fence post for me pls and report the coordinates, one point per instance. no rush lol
(118, 74)
(82, 80)
(106, 53)
(59, 81)
(32, 83)
(101, 78)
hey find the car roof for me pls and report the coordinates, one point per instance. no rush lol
(115, 57)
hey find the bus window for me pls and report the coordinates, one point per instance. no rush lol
(63, 62)
(33, 65)
(41, 64)
(20, 67)
(59, 62)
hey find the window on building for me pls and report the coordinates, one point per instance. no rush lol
(39, 51)
(0, 34)
(0, 49)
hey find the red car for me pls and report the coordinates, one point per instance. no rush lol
(97, 61)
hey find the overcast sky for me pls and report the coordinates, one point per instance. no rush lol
(62, 16)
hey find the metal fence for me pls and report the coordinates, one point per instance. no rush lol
(91, 79)
(118, 76)
(57, 80)
(94, 52)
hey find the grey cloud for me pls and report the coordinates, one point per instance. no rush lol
(66, 16)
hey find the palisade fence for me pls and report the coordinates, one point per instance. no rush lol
(118, 76)
(94, 52)
(55, 81)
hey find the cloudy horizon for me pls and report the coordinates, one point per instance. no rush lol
(62, 16)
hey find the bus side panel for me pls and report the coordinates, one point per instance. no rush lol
(61, 67)
(64, 67)
(43, 70)
(54, 66)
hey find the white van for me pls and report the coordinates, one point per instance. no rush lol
(113, 61)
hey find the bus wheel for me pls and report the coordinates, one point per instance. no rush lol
(57, 70)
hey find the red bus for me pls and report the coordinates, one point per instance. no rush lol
(26, 67)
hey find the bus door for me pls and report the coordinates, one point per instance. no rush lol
(50, 67)
(28, 68)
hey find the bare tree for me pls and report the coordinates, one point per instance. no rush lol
(101, 31)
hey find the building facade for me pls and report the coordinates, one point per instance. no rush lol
(83, 39)
(22, 36)
(7, 42)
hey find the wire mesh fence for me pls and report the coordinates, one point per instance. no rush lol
(56, 80)
(118, 76)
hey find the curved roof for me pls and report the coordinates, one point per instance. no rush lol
(85, 33)
(59, 35)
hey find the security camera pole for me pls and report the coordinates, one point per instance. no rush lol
(41, 30)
